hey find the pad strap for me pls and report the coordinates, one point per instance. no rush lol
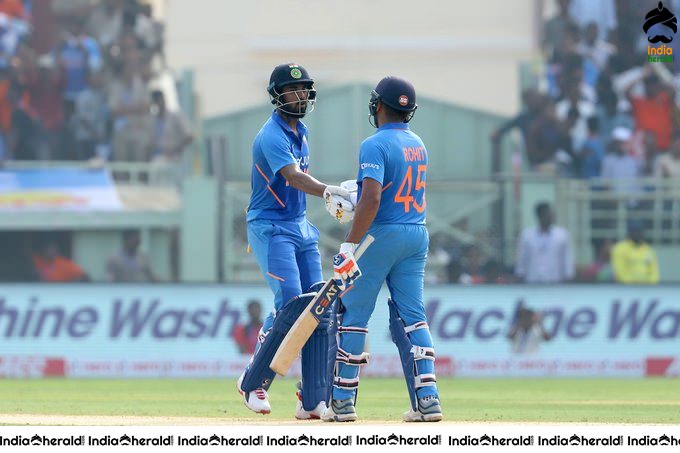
(342, 329)
(422, 353)
(344, 383)
(352, 359)
(425, 380)
(416, 326)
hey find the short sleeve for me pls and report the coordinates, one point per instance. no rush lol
(371, 162)
(277, 152)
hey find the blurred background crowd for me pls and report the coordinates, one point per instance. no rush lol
(83, 80)
(597, 109)
(601, 108)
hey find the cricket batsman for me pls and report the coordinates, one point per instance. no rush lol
(285, 243)
(391, 207)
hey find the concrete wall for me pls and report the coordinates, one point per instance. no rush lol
(460, 51)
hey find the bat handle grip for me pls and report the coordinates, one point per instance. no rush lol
(368, 240)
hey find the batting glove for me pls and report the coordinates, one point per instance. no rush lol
(353, 188)
(345, 268)
(338, 204)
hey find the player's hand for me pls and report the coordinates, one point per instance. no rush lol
(335, 190)
(353, 188)
(345, 268)
(338, 203)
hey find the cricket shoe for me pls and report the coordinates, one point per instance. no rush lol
(340, 411)
(256, 400)
(301, 413)
(429, 410)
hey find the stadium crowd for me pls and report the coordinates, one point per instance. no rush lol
(601, 109)
(598, 110)
(80, 79)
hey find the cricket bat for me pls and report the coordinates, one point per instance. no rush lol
(303, 327)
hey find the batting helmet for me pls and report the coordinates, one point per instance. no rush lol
(288, 74)
(395, 92)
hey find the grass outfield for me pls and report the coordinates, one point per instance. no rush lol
(463, 400)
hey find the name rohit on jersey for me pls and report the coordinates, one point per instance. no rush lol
(412, 154)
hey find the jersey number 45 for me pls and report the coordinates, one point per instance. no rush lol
(407, 187)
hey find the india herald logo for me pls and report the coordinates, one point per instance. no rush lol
(660, 25)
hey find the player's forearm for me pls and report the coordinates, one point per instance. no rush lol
(363, 218)
(307, 184)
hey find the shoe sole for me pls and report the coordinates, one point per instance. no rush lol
(263, 411)
(425, 418)
(342, 418)
(309, 417)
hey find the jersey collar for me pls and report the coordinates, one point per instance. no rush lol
(301, 127)
(403, 126)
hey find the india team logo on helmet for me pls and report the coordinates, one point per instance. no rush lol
(304, 99)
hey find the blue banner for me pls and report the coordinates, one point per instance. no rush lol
(178, 330)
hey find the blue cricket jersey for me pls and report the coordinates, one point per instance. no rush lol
(276, 146)
(396, 157)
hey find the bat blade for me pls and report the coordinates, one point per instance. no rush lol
(303, 327)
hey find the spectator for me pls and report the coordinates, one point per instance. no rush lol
(600, 13)
(12, 33)
(171, 132)
(600, 270)
(592, 152)
(105, 21)
(547, 137)
(574, 111)
(533, 103)
(152, 32)
(554, 29)
(544, 253)
(668, 164)
(129, 106)
(78, 55)
(13, 9)
(90, 120)
(527, 332)
(634, 260)
(619, 166)
(653, 110)
(575, 72)
(53, 267)
(594, 48)
(246, 335)
(26, 140)
(611, 112)
(129, 264)
(46, 85)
